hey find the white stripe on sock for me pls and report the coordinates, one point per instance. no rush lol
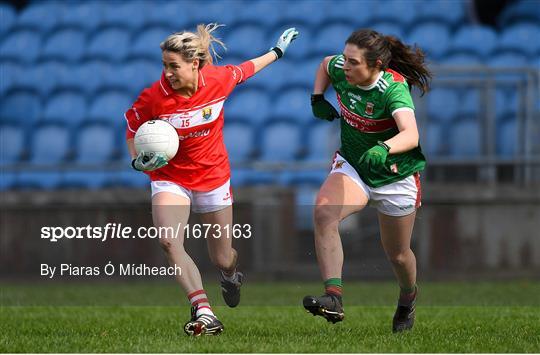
(204, 310)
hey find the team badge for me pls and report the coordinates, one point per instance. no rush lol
(393, 168)
(339, 164)
(207, 113)
(369, 108)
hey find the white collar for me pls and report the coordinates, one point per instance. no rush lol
(371, 86)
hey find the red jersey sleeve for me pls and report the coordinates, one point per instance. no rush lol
(140, 112)
(237, 74)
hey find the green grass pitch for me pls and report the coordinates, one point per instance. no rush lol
(148, 317)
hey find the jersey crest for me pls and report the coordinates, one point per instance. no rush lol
(369, 108)
(207, 113)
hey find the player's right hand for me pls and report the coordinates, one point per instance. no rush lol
(374, 158)
(322, 108)
(142, 163)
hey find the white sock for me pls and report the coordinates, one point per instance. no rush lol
(230, 278)
(204, 310)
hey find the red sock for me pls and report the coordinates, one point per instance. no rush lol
(333, 290)
(199, 300)
(333, 286)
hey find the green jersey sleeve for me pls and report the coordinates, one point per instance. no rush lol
(335, 69)
(398, 96)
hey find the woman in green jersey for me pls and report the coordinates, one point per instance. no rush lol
(378, 162)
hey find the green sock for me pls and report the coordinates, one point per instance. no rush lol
(333, 286)
(408, 290)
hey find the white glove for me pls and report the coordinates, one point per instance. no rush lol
(144, 163)
(284, 40)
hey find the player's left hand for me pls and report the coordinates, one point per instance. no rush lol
(284, 41)
(373, 158)
(144, 163)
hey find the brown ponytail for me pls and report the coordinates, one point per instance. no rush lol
(393, 54)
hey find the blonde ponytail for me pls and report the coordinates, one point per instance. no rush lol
(191, 46)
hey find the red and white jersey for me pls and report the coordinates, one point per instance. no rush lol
(201, 163)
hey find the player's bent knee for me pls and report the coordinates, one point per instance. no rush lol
(325, 216)
(167, 244)
(222, 261)
(399, 259)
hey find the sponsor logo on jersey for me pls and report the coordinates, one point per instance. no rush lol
(364, 124)
(207, 113)
(354, 96)
(369, 108)
(178, 116)
(196, 134)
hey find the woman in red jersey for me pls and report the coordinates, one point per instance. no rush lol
(190, 95)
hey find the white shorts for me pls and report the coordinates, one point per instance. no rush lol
(397, 199)
(201, 202)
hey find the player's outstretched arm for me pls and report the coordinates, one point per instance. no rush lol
(277, 51)
(320, 107)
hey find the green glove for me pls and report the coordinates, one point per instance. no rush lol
(375, 157)
(145, 163)
(323, 109)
